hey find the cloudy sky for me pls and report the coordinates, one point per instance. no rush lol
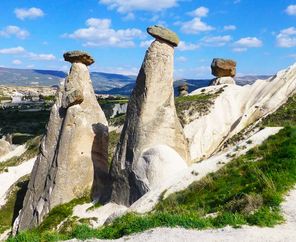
(259, 35)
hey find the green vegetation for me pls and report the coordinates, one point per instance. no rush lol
(60, 213)
(112, 100)
(5, 98)
(32, 150)
(284, 116)
(188, 106)
(13, 204)
(117, 120)
(248, 190)
(113, 141)
(15, 121)
(50, 98)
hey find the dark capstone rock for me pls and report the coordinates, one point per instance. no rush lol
(183, 89)
(223, 67)
(79, 57)
(164, 34)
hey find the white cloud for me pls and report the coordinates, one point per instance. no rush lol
(125, 6)
(200, 12)
(30, 13)
(30, 55)
(41, 57)
(196, 25)
(13, 51)
(181, 59)
(183, 46)
(248, 42)
(217, 40)
(99, 33)
(291, 10)
(129, 16)
(287, 38)
(14, 31)
(239, 49)
(16, 62)
(146, 43)
(229, 27)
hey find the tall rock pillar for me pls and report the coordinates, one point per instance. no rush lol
(74, 152)
(151, 120)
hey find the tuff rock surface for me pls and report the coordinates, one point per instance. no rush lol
(73, 153)
(223, 80)
(4, 147)
(151, 121)
(236, 107)
(223, 67)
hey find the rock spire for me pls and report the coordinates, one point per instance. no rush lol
(152, 126)
(73, 155)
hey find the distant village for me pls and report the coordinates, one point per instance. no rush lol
(26, 97)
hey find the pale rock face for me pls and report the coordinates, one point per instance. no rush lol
(5, 147)
(73, 154)
(236, 108)
(159, 164)
(151, 121)
(223, 80)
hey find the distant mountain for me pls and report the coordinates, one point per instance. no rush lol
(28, 77)
(104, 83)
(192, 85)
(244, 80)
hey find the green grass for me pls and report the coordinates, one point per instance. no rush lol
(201, 104)
(32, 150)
(117, 120)
(113, 141)
(284, 116)
(59, 213)
(248, 190)
(14, 201)
(112, 101)
(15, 121)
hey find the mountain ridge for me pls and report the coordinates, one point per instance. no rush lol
(104, 83)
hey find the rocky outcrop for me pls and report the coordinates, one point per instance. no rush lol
(151, 121)
(183, 89)
(161, 33)
(73, 154)
(235, 108)
(5, 147)
(223, 67)
(223, 80)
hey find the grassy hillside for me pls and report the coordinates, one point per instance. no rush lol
(249, 190)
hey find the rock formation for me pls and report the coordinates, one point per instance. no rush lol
(4, 147)
(235, 108)
(183, 89)
(224, 70)
(74, 152)
(151, 121)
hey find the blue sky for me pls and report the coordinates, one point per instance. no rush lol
(259, 34)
